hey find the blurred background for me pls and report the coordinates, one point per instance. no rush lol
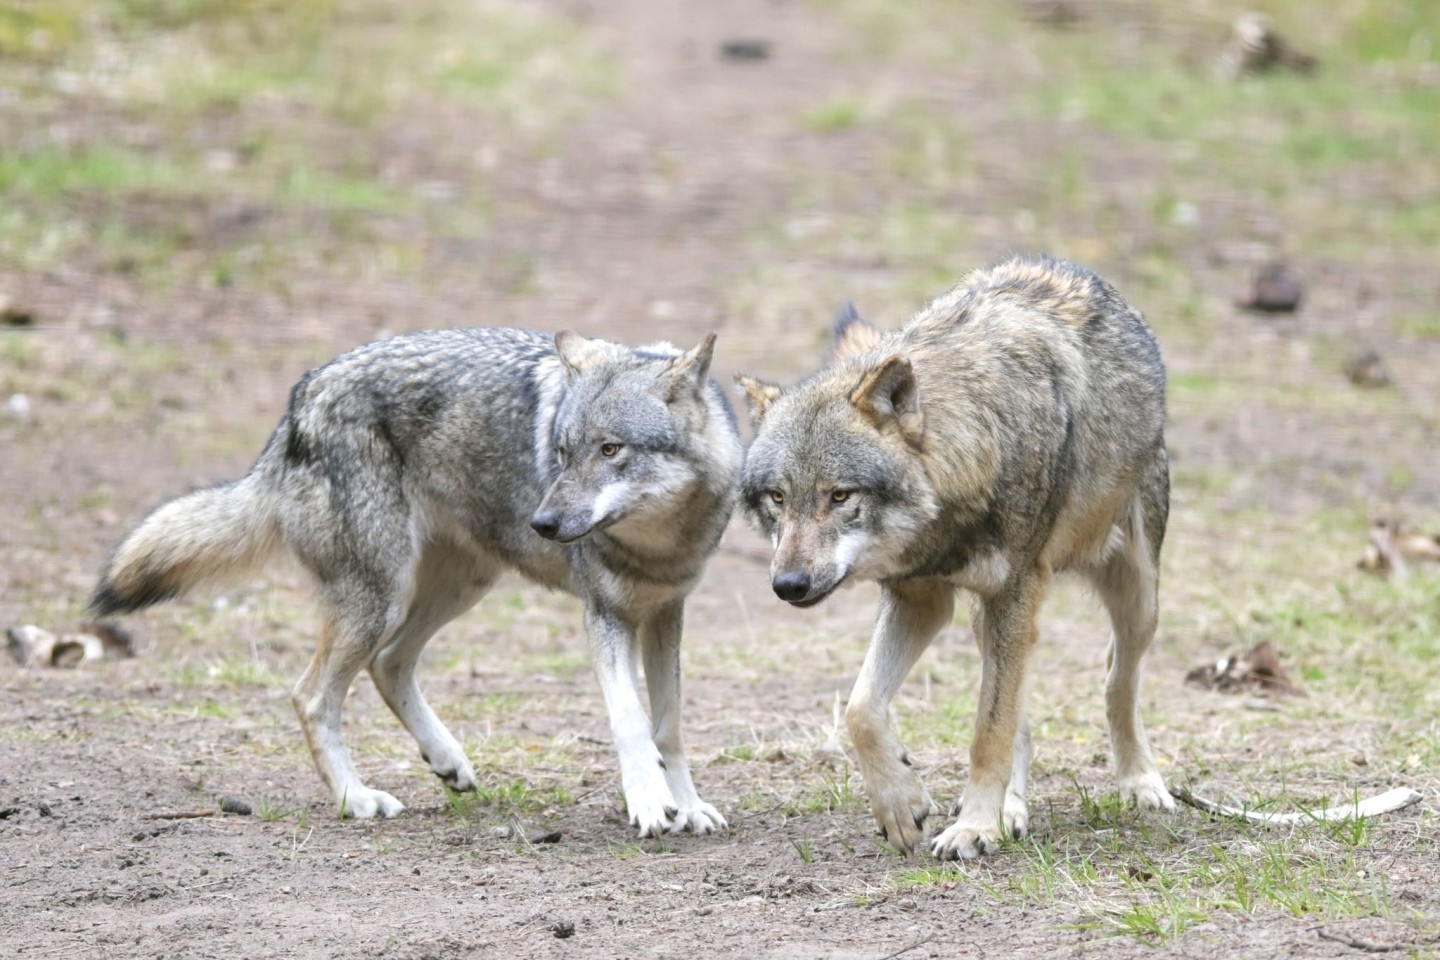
(199, 199)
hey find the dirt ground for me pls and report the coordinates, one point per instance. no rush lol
(703, 193)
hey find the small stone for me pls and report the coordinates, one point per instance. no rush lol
(18, 406)
(14, 315)
(744, 50)
(1273, 290)
(563, 929)
(235, 805)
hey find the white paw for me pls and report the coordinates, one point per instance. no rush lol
(900, 805)
(1147, 791)
(455, 772)
(698, 818)
(362, 803)
(978, 830)
(652, 811)
(1016, 816)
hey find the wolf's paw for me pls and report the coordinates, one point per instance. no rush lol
(1147, 791)
(455, 772)
(652, 811)
(901, 807)
(978, 831)
(1016, 816)
(362, 803)
(698, 818)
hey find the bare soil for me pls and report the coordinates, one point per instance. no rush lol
(635, 222)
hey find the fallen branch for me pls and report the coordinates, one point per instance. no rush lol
(1360, 943)
(183, 814)
(1397, 799)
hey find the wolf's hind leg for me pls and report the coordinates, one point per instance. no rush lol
(660, 639)
(347, 642)
(1128, 585)
(910, 616)
(447, 584)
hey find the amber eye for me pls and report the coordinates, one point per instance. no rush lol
(777, 497)
(840, 496)
(609, 449)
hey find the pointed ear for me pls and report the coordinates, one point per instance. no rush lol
(888, 396)
(852, 336)
(576, 352)
(758, 394)
(692, 369)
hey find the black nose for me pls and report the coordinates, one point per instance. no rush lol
(791, 586)
(546, 524)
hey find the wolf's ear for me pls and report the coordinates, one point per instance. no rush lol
(576, 352)
(888, 395)
(852, 335)
(692, 369)
(758, 394)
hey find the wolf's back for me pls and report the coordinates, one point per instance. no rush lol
(211, 535)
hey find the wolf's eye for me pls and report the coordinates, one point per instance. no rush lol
(776, 496)
(839, 496)
(609, 449)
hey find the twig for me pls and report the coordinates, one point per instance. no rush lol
(918, 943)
(1388, 802)
(1360, 943)
(182, 815)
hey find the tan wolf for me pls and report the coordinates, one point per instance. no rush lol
(1013, 429)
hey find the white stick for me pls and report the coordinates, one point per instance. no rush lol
(1397, 799)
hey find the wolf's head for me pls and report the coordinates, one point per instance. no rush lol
(836, 474)
(634, 435)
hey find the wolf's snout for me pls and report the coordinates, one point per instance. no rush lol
(791, 586)
(546, 523)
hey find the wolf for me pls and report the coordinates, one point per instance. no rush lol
(407, 475)
(1013, 429)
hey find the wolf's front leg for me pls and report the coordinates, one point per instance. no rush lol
(910, 616)
(661, 643)
(648, 799)
(994, 804)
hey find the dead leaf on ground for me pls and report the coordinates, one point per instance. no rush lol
(1393, 550)
(1256, 671)
(1255, 47)
(1367, 369)
(33, 646)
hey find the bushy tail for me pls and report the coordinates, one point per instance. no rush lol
(211, 535)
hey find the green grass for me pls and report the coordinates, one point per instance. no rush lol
(833, 117)
(239, 102)
(1153, 879)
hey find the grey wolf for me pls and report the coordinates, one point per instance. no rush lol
(1014, 428)
(407, 475)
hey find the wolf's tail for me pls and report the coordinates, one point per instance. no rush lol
(212, 535)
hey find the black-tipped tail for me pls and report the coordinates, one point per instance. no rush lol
(211, 535)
